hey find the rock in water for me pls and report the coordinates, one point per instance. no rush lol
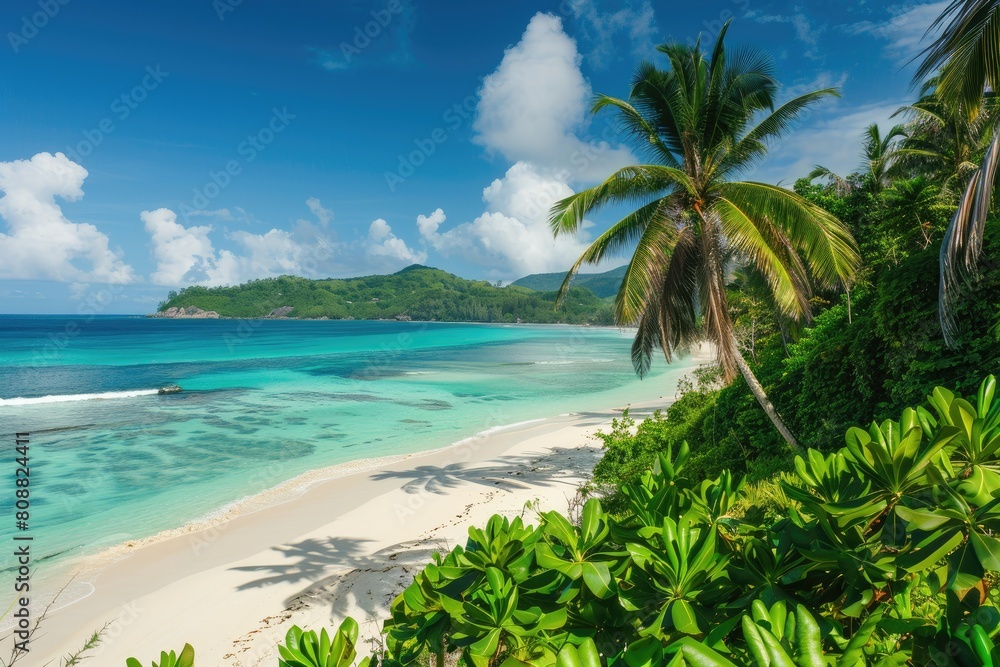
(191, 312)
(170, 389)
(279, 313)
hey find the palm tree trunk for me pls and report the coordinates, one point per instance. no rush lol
(765, 402)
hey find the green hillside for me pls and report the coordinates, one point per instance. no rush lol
(417, 292)
(602, 284)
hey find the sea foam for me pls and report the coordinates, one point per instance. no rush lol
(36, 400)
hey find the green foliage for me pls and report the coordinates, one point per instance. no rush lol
(307, 649)
(880, 554)
(418, 293)
(844, 368)
(699, 124)
(185, 659)
(602, 284)
(631, 449)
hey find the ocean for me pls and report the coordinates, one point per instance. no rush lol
(263, 402)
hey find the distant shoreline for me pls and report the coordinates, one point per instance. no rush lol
(156, 316)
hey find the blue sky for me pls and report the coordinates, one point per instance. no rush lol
(216, 142)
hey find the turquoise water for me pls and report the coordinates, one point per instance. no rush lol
(263, 402)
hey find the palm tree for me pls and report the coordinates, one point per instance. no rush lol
(943, 140)
(695, 122)
(967, 57)
(879, 157)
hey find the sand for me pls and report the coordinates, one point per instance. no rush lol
(345, 546)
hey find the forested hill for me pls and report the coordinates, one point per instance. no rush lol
(417, 292)
(602, 284)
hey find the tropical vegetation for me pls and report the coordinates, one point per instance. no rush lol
(966, 60)
(882, 552)
(603, 284)
(704, 123)
(416, 292)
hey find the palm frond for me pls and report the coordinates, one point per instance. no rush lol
(646, 341)
(840, 185)
(651, 257)
(668, 320)
(635, 185)
(967, 52)
(753, 145)
(825, 242)
(619, 237)
(759, 243)
(963, 239)
(713, 299)
(637, 128)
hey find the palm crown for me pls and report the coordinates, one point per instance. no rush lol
(967, 58)
(701, 125)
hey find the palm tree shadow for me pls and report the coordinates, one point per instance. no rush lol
(367, 591)
(559, 465)
(307, 560)
(373, 579)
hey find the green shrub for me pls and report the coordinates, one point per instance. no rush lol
(185, 659)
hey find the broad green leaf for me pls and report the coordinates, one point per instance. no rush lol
(987, 549)
(808, 639)
(922, 519)
(963, 415)
(487, 646)
(186, 658)
(591, 519)
(646, 652)
(930, 553)
(598, 579)
(697, 654)
(684, 618)
(755, 643)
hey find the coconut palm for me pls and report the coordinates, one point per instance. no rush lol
(944, 141)
(701, 124)
(879, 157)
(967, 57)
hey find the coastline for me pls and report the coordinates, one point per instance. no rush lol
(200, 583)
(339, 519)
(265, 318)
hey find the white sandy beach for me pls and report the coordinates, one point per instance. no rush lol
(347, 546)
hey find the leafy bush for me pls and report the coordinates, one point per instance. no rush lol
(307, 649)
(185, 659)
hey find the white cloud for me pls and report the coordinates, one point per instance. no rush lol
(280, 252)
(533, 110)
(382, 242)
(636, 21)
(219, 213)
(535, 104)
(428, 225)
(186, 255)
(512, 237)
(40, 242)
(905, 32)
(324, 215)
